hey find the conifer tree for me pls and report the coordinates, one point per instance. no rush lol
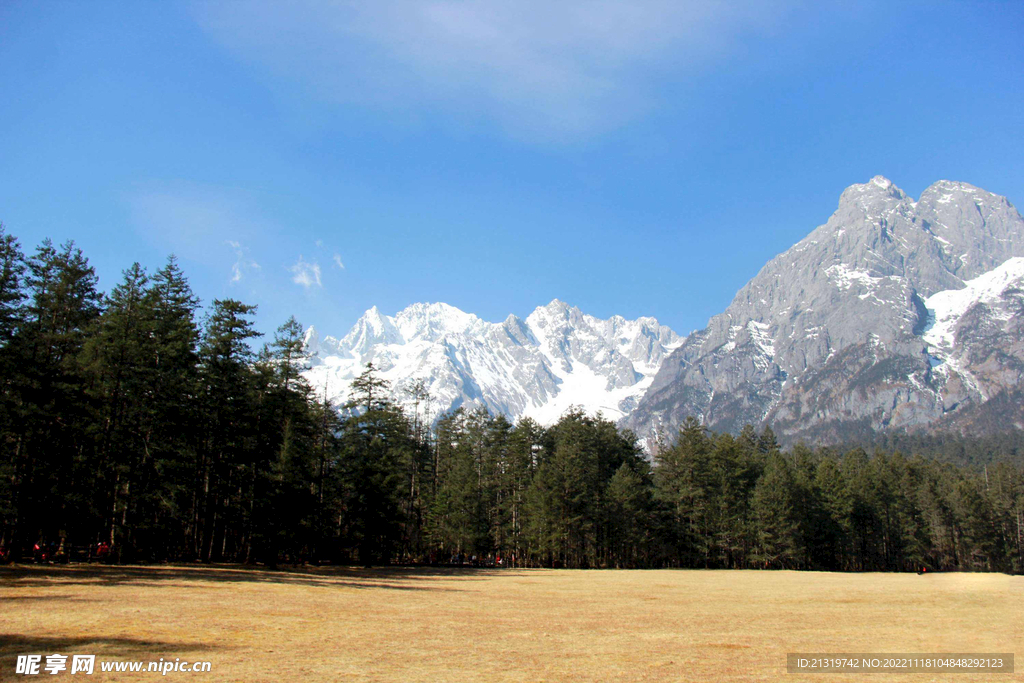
(776, 534)
(377, 445)
(228, 439)
(282, 504)
(524, 441)
(119, 356)
(683, 483)
(175, 399)
(734, 473)
(629, 511)
(12, 312)
(49, 402)
(289, 352)
(457, 524)
(12, 271)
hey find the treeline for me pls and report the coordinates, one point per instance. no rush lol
(133, 422)
(974, 452)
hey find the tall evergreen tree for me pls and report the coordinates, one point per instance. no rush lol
(175, 399)
(49, 407)
(457, 523)
(683, 483)
(776, 533)
(12, 272)
(12, 312)
(119, 356)
(228, 440)
(376, 447)
(629, 513)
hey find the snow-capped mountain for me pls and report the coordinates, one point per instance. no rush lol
(535, 367)
(894, 314)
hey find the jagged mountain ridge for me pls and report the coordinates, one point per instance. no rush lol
(536, 367)
(836, 336)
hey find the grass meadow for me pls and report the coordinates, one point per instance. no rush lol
(423, 624)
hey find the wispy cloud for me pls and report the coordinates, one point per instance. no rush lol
(243, 264)
(337, 261)
(184, 216)
(196, 221)
(306, 273)
(541, 69)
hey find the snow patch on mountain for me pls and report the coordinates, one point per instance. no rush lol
(759, 335)
(948, 310)
(947, 307)
(845, 277)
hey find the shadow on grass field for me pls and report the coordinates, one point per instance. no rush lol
(496, 625)
(394, 578)
(12, 645)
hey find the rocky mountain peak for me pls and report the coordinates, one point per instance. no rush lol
(852, 292)
(554, 310)
(371, 329)
(876, 195)
(555, 315)
(432, 321)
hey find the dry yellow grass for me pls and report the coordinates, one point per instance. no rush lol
(506, 625)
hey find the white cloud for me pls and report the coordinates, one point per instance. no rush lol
(305, 273)
(337, 261)
(243, 263)
(540, 69)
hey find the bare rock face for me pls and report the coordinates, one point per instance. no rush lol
(893, 314)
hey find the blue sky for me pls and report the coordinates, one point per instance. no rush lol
(641, 158)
